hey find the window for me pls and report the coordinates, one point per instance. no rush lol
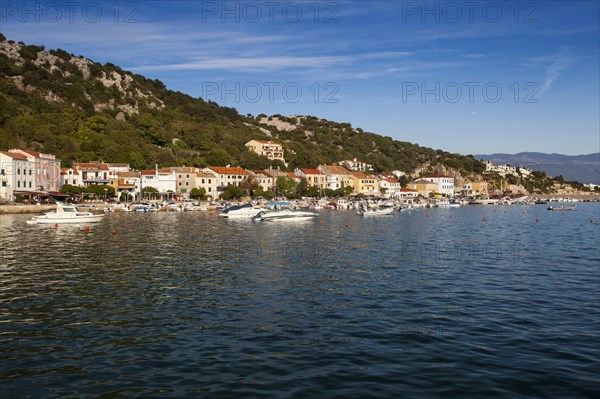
(187, 183)
(202, 181)
(29, 184)
(3, 184)
(187, 176)
(18, 171)
(18, 183)
(29, 172)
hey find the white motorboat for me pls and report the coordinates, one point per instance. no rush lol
(241, 211)
(376, 211)
(66, 213)
(284, 215)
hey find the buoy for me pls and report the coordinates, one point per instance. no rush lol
(320, 222)
(537, 220)
(484, 218)
(87, 229)
(346, 225)
(56, 225)
(426, 215)
(450, 216)
(114, 232)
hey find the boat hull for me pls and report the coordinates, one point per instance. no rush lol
(70, 220)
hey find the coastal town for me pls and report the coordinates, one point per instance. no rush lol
(28, 176)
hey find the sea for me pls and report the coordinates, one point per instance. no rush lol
(472, 302)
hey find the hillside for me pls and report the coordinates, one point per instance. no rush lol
(582, 168)
(81, 110)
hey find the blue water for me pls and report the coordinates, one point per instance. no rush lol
(424, 304)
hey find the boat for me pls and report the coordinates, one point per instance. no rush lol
(66, 213)
(283, 215)
(376, 211)
(448, 204)
(562, 208)
(241, 211)
(541, 202)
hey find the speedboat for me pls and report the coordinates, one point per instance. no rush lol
(66, 213)
(241, 211)
(562, 208)
(283, 214)
(376, 211)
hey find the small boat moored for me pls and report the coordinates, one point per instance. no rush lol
(562, 208)
(284, 215)
(66, 214)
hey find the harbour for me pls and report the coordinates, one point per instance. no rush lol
(189, 303)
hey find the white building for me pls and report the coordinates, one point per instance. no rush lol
(70, 176)
(163, 180)
(355, 165)
(17, 175)
(391, 186)
(47, 170)
(445, 184)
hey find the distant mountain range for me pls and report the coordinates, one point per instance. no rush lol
(582, 168)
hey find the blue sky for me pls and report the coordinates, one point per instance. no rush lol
(468, 77)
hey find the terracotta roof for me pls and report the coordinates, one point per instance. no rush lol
(147, 172)
(204, 174)
(15, 155)
(32, 153)
(91, 166)
(118, 165)
(406, 189)
(359, 175)
(390, 180)
(224, 170)
(309, 171)
(266, 173)
(127, 174)
(336, 169)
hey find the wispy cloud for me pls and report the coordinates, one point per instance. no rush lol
(559, 63)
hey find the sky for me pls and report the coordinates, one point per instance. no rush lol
(473, 77)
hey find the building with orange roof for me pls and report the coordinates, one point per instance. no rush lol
(207, 181)
(337, 176)
(163, 180)
(390, 187)
(314, 177)
(265, 179)
(365, 184)
(227, 175)
(266, 148)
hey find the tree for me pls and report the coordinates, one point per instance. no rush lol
(312, 191)
(218, 156)
(285, 185)
(100, 190)
(404, 180)
(232, 191)
(302, 187)
(383, 190)
(249, 184)
(149, 189)
(199, 193)
(69, 189)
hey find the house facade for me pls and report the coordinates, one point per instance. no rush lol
(445, 184)
(47, 169)
(269, 149)
(314, 177)
(17, 175)
(208, 182)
